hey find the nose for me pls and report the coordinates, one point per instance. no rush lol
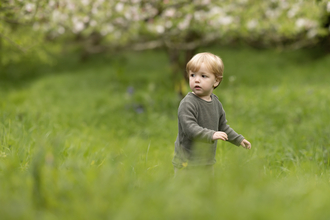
(197, 79)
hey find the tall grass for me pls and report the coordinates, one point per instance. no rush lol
(95, 140)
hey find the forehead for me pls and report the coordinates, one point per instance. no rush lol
(202, 68)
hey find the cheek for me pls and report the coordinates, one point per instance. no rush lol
(190, 82)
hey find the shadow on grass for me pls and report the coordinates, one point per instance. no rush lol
(21, 74)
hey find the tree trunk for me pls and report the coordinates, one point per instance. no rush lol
(178, 69)
(326, 40)
(1, 49)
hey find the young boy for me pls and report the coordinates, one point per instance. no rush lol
(201, 117)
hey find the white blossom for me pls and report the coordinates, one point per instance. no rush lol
(284, 5)
(61, 30)
(170, 12)
(117, 34)
(216, 11)
(63, 17)
(199, 15)
(300, 22)
(202, 2)
(206, 2)
(252, 24)
(77, 25)
(86, 19)
(128, 15)
(51, 3)
(150, 10)
(225, 20)
(93, 23)
(311, 33)
(110, 28)
(292, 12)
(133, 13)
(85, 2)
(185, 23)
(305, 23)
(168, 24)
(94, 10)
(119, 7)
(71, 6)
(36, 26)
(103, 32)
(272, 13)
(160, 29)
(29, 7)
(120, 21)
(56, 15)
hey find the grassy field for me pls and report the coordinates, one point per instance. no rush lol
(95, 140)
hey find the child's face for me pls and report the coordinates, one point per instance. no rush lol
(202, 82)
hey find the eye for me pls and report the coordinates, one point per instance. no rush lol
(204, 76)
(192, 75)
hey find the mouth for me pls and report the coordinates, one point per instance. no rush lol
(198, 87)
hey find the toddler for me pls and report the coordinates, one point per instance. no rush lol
(201, 117)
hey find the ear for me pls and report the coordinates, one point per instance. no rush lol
(216, 83)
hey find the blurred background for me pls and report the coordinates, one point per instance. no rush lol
(89, 91)
(41, 31)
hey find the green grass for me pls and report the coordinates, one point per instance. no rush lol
(95, 140)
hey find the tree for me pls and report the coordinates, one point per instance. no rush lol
(17, 37)
(180, 27)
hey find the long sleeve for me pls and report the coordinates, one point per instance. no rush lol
(187, 115)
(233, 137)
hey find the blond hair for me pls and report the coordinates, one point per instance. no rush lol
(212, 62)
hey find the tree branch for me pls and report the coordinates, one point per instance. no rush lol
(13, 43)
(147, 45)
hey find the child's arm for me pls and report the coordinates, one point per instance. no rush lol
(246, 144)
(223, 136)
(233, 137)
(188, 122)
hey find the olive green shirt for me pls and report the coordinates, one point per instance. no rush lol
(198, 120)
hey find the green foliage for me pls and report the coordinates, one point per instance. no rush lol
(95, 140)
(18, 40)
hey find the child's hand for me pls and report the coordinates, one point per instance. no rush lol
(246, 144)
(220, 135)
